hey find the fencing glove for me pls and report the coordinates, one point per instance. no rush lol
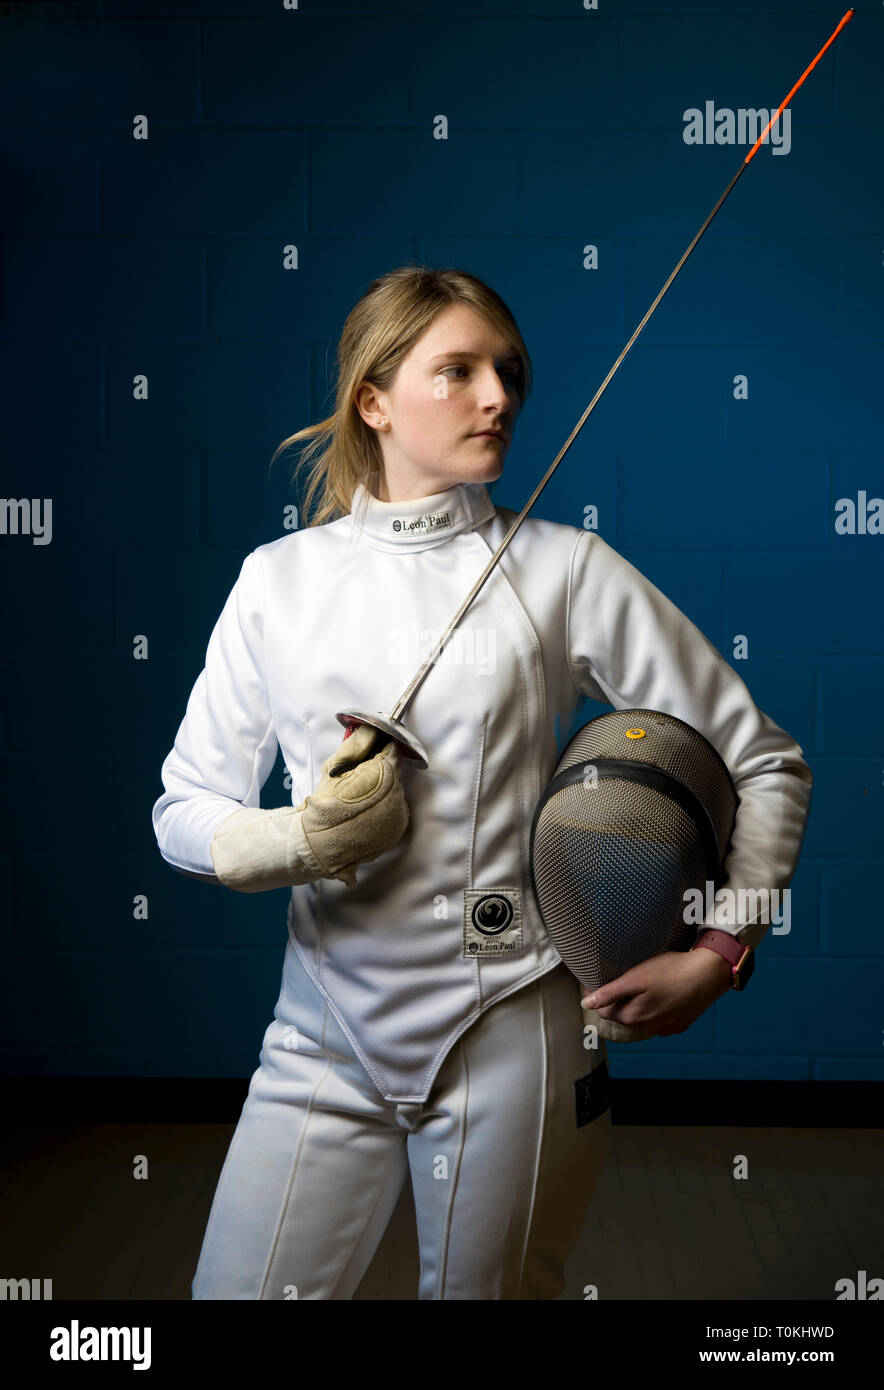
(347, 821)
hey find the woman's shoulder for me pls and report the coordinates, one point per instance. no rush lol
(300, 543)
(538, 531)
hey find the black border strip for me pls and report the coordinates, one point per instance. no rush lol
(51, 1101)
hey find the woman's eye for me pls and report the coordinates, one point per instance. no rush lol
(513, 375)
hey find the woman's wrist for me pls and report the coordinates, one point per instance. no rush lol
(710, 962)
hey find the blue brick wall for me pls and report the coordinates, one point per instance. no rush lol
(313, 127)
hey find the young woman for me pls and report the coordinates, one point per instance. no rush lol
(403, 1044)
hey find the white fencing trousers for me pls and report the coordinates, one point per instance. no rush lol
(502, 1173)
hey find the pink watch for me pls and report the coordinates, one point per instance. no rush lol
(741, 958)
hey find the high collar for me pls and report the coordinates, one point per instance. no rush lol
(421, 522)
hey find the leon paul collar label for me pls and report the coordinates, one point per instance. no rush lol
(426, 524)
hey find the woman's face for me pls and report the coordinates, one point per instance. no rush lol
(458, 379)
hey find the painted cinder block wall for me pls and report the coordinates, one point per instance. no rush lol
(315, 128)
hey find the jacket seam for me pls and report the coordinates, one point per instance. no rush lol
(534, 663)
(542, 1143)
(477, 791)
(252, 790)
(568, 610)
(599, 681)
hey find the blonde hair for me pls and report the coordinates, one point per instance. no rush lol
(378, 333)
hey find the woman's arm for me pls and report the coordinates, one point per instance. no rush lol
(226, 745)
(629, 645)
(203, 878)
(208, 823)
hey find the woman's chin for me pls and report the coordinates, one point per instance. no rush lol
(492, 470)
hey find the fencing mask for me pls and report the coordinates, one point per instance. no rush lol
(639, 811)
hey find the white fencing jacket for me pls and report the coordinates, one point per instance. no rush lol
(342, 615)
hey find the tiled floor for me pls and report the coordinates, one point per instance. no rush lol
(669, 1220)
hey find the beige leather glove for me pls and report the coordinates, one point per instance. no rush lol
(347, 821)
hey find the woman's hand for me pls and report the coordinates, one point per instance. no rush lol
(359, 815)
(347, 821)
(666, 993)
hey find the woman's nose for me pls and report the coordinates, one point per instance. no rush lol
(493, 391)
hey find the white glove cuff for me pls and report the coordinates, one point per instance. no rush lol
(254, 850)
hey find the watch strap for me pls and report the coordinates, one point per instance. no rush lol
(725, 945)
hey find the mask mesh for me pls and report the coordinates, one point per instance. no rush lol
(612, 858)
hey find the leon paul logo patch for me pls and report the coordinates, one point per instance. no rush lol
(492, 923)
(421, 525)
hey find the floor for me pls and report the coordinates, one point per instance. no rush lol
(669, 1220)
